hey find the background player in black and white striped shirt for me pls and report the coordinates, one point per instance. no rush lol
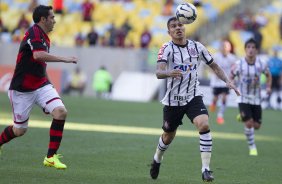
(249, 70)
(225, 60)
(178, 62)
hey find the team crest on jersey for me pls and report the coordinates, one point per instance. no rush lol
(192, 51)
(45, 44)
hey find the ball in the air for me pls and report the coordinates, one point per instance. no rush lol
(186, 13)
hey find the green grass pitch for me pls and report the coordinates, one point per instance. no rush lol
(118, 156)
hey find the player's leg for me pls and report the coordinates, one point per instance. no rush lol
(198, 115)
(172, 118)
(22, 104)
(164, 142)
(221, 110)
(212, 107)
(249, 131)
(257, 114)
(201, 122)
(49, 99)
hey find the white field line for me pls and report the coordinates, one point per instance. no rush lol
(135, 130)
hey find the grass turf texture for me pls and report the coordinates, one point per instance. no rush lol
(121, 158)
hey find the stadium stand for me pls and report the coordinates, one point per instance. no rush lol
(141, 13)
(270, 31)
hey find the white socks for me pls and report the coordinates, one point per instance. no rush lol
(250, 135)
(160, 150)
(206, 149)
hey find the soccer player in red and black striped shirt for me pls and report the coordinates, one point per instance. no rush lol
(30, 85)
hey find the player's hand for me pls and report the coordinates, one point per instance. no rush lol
(71, 60)
(230, 85)
(176, 73)
(268, 90)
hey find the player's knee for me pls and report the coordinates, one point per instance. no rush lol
(249, 123)
(59, 113)
(202, 123)
(19, 131)
(168, 137)
(170, 127)
(203, 127)
(256, 126)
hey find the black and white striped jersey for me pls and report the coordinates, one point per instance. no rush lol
(249, 80)
(186, 58)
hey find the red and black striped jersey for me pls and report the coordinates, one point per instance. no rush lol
(29, 73)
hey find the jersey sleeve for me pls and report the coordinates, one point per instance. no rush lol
(204, 53)
(163, 53)
(35, 41)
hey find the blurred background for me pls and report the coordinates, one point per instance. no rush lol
(118, 40)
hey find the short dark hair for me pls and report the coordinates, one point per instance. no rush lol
(41, 11)
(169, 20)
(251, 40)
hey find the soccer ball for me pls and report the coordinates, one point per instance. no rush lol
(186, 13)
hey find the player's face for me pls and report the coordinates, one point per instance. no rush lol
(176, 30)
(251, 50)
(50, 21)
(226, 47)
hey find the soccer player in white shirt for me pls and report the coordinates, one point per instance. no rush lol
(178, 62)
(225, 60)
(249, 70)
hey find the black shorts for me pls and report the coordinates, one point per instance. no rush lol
(248, 111)
(218, 91)
(173, 115)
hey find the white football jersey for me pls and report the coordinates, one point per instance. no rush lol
(187, 58)
(225, 63)
(249, 80)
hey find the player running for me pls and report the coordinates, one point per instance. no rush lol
(30, 85)
(249, 70)
(178, 62)
(225, 60)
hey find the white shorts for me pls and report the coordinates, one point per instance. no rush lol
(22, 103)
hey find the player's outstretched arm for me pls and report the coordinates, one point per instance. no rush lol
(46, 57)
(220, 73)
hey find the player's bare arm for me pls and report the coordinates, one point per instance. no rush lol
(163, 73)
(45, 56)
(268, 81)
(220, 74)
